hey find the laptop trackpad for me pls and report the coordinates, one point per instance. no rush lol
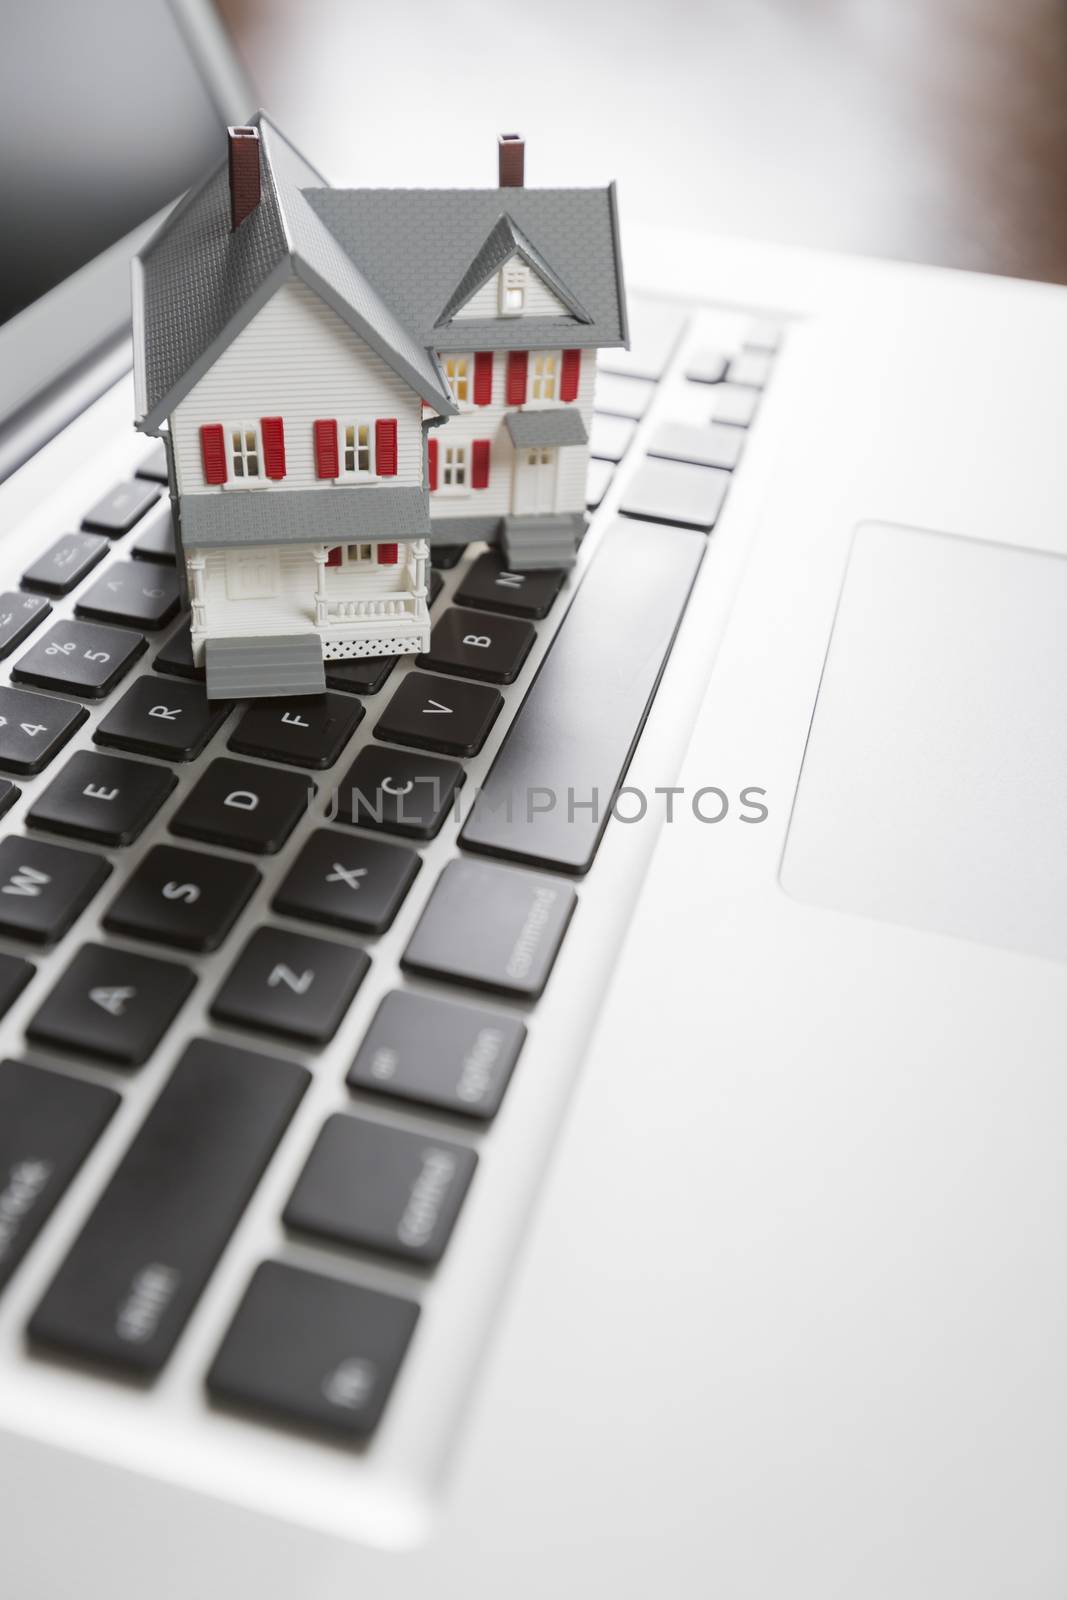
(934, 785)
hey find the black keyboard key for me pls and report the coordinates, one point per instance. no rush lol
(183, 898)
(136, 1270)
(347, 882)
(436, 714)
(176, 656)
(34, 728)
(15, 974)
(48, 1125)
(290, 983)
(9, 793)
(245, 807)
(313, 1350)
(441, 1053)
(154, 465)
(65, 563)
(494, 927)
(479, 645)
(121, 507)
(636, 587)
(112, 1004)
(157, 718)
(44, 888)
(19, 615)
(306, 733)
(380, 1188)
(676, 493)
(360, 675)
(397, 791)
(490, 586)
(155, 542)
(101, 798)
(436, 584)
(79, 658)
(447, 556)
(133, 595)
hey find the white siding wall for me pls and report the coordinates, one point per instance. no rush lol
(540, 301)
(296, 359)
(487, 422)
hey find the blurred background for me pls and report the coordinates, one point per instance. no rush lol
(931, 130)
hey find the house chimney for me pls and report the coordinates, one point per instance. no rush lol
(244, 173)
(511, 155)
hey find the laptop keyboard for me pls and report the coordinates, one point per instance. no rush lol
(295, 842)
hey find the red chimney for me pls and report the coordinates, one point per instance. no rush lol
(244, 173)
(511, 153)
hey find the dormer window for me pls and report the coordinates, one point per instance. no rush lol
(512, 290)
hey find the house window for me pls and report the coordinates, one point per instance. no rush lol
(538, 458)
(544, 380)
(454, 466)
(359, 552)
(358, 447)
(244, 453)
(512, 300)
(458, 372)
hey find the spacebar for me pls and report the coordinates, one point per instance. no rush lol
(549, 793)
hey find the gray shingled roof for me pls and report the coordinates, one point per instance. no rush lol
(198, 283)
(418, 247)
(304, 516)
(547, 427)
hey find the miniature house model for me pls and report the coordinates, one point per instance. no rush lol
(344, 377)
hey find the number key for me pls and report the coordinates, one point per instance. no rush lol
(65, 563)
(34, 728)
(118, 510)
(19, 615)
(132, 594)
(79, 658)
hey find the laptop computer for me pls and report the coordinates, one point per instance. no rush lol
(749, 1281)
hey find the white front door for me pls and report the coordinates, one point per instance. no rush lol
(535, 480)
(252, 574)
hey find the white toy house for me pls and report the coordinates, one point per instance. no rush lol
(344, 376)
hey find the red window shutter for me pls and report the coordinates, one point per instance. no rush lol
(387, 554)
(431, 457)
(480, 464)
(333, 557)
(213, 452)
(273, 446)
(326, 461)
(518, 360)
(571, 374)
(385, 447)
(483, 377)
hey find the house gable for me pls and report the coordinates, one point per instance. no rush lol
(299, 361)
(538, 300)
